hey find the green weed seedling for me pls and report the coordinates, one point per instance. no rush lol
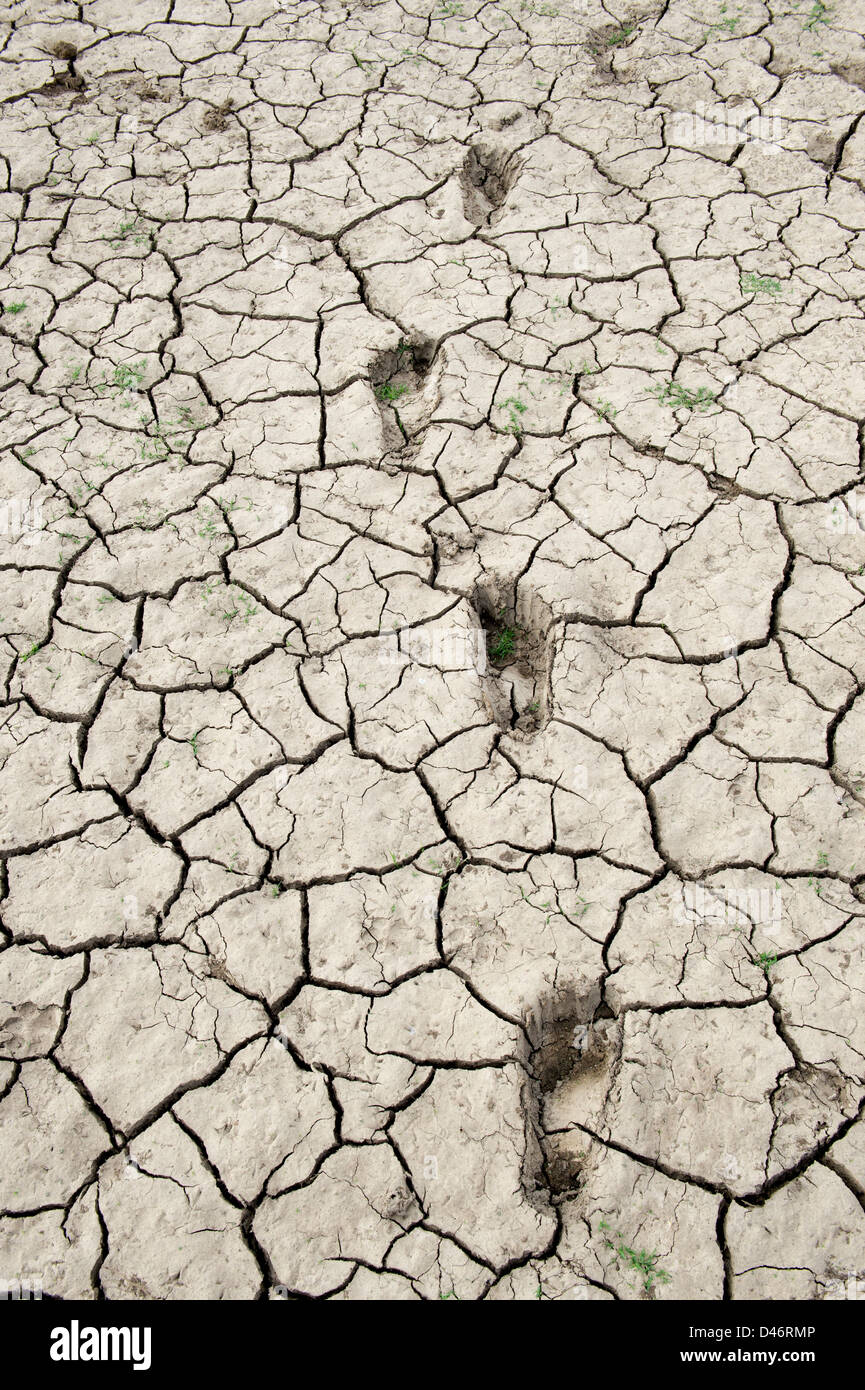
(644, 1264)
(124, 379)
(620, 36)
(678, 397)
(819, 14)
(133, 230)
(766, 960)
(502, 644)
(128, 376)
(244, 609)
(161, 436)
(726, 24)
(822, 863)
(15, 308)
(751, 283)
(390, 391)
(209, 529)
(515, 408)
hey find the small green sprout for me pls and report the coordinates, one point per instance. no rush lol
(817, 15)
(751, 283)
(515, 408)
(502, 644)
(641, 1261)
(766, 961)
(128, 376)
(390, 391)
(678, 397)
(620, 36)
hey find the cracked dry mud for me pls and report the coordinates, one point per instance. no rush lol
(342, 345)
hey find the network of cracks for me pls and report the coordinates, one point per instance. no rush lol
(431, 773)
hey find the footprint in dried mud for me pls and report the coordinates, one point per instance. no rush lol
(519, 651)
(404, 382)
(607, 41)
(563, 1169)
(487, 176)
(573, 1040)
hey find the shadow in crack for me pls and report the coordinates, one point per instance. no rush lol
(405, 387)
